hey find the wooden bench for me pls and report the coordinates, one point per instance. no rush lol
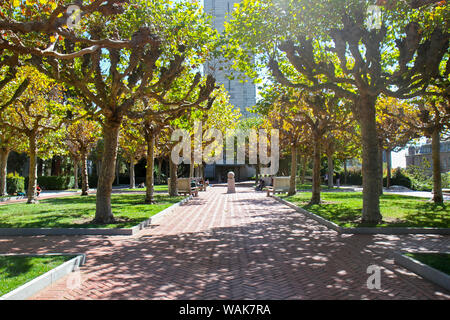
(184, 187)
(280, 185)
(446, 192)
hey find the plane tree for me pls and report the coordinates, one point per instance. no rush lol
(119, 53)
(317, 45)
(38, 115)
(81, 137)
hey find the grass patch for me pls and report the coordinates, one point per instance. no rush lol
(16, 270)
(78, 212)
(308, 186)
(159, 188)
(344, 209)
(439, 261)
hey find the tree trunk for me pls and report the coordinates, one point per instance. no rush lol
(103, 213)
(132, 179)
(173, 179)
(330, 171)
(315, 199)
(32, 171)
(292, 182)
(345, 171)
(84, 175)
(149, 175)
(436, 156)
(4, 153)
(380, 155)
(75, 174)
(389, 167)
(258, 169)
(370, 160)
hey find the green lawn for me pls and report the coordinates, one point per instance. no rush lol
(16, 271)
(344, 209)
(160, 188)
(308, 186)
(78, 212)
(439, 261)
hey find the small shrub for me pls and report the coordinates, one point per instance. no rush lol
(55, 182)
(353, 177)
(15, 183)
(400, 178)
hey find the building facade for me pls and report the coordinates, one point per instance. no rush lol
(242, 94)
(417, 155)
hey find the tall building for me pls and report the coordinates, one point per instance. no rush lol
(242, 94)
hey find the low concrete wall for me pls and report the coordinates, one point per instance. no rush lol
(34, 286)
(423, 270)
(364, 230)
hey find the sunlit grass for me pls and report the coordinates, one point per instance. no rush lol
(18, 270)
(78, 212)
(344, 209)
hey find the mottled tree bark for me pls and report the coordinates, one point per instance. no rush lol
(315, 199)
(389, 167)
(173, 179)
(380, 155)
(75, 174)
(32, 171)
(103, 213)
(4, 153)
(84, 175)
(371, 160)
(292, 181)
(149, 175)
(436, 156)
(132, 178)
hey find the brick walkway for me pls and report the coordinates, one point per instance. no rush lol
(236, 246)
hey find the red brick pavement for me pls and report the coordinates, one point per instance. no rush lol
(236, 246)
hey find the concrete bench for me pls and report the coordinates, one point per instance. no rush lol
(184, 187)
(280, 185)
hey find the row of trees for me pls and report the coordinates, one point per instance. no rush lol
(133, 70)
(335, 67)
(125, 61)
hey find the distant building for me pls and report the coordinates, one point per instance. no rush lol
(242, 95)
(416, 155)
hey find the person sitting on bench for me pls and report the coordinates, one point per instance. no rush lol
(260, 185)
(38, 191)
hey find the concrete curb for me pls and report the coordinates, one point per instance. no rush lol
(37, 284)
(88, 231)
(364, 230)
(423, 270)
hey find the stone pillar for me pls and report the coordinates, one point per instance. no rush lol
(231, 183)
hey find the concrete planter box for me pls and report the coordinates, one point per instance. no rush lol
(37, 284)
(423, 270)
(87, 231)
(364, 230)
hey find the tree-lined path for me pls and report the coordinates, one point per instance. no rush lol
(236, 246)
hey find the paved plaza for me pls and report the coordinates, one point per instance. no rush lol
(235, 246)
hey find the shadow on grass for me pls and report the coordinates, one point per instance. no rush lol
(78, 212)
(345, 209)
(14, 266)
